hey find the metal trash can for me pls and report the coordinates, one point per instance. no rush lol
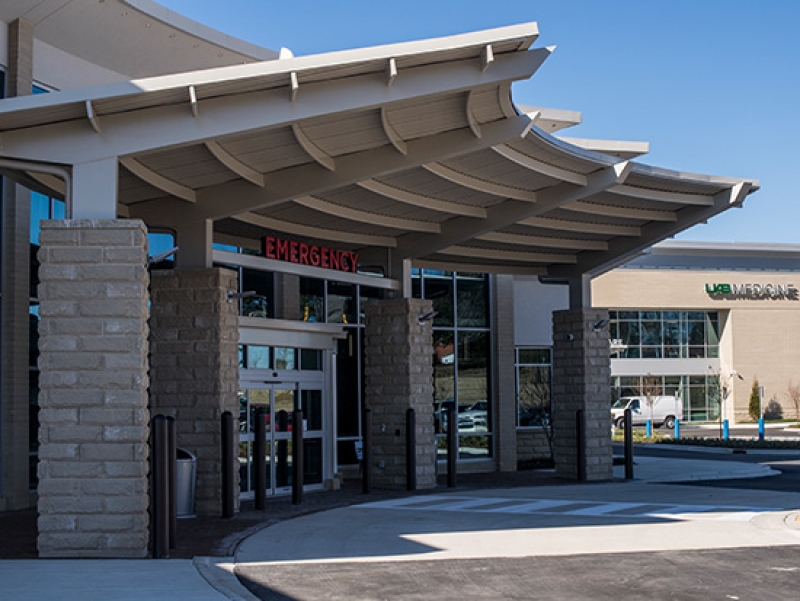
(185, 477)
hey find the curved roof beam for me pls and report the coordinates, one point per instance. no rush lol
(425, 202)
(546, 241)
(235, 165)
(624, 212)
(473, 122)
(287, 227)
(391, 133)
(622, 249)
(663, 196)
(157, 180)
(508, 255)
(312, 150)
(539, 167)
(505, 269)
(582, 226)
(343, 212)
(304, 180)
(481, 185)
(509, 212)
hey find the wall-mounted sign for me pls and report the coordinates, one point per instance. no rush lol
(301, 253)
(756, 291)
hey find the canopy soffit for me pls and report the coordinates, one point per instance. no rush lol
(415, 147)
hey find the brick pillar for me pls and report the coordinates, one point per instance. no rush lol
(398, 371)
(93, 389)
(194, 361)
(581, 380)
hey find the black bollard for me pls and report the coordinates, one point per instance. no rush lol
(229, 462)
(628, 434)
(172, 451)
(160, 487)
(297, 457)
(411, 450)
(580, 439)
(452, 447)
(260, 460)
(366, 462)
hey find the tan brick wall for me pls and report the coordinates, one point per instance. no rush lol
(398, 372)
(93, 389)
(194, 335)
(581, 373)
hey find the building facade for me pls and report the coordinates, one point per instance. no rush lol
(194, 225)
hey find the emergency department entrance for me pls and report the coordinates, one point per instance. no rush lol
(278, 376)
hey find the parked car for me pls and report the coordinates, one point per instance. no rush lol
(666, 409)
(475, 418)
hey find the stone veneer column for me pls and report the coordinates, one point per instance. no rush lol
(194, 362)
(93, 389)
(398, 370)
(581, 379)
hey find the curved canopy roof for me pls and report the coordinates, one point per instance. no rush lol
(416, 148)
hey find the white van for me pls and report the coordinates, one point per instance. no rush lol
(666, 409)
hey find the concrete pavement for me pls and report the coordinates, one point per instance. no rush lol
(514, 522)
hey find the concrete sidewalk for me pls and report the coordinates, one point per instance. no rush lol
(375, 529)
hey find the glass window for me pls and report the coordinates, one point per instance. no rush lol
(259, 287)
(312, 300)
(285, 358)
(341, 303)
(438, 287)
(311, 360)
(258, 357)
(472, 300)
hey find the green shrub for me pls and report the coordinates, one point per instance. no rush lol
(754, 408)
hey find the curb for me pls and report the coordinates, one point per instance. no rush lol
(220, 575)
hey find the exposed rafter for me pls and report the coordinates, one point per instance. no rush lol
(566, 225)
(235, 165)
(157, 180)
(591, 208)
(487, 57)
(288, 227)
(473, 123)
(543, 241)
(314, 151)
(461, 229)
(425, 202)
(481, 185)
(343, 212)
(508, 255)
(294, 86)
(391, 133)
(663, 196)
(540, 167)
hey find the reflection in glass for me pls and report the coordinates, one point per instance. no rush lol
(439, 289)
(285, 358)
(474, 447)
(312, 300)
(258, 357)
(341, 303)
(472, 299)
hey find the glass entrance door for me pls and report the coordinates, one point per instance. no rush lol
(276, 403)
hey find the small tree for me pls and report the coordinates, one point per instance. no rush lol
(755, 402)
(793, 394)
(650, 388)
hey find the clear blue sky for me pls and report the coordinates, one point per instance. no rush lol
(713, 85)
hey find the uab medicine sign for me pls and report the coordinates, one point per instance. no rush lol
(753, 291)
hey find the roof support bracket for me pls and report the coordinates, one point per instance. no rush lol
(392, 134)
(193, 102)
(487, 57)
(294, 84)
(391, 72)
(93, 119)
(314, 151)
